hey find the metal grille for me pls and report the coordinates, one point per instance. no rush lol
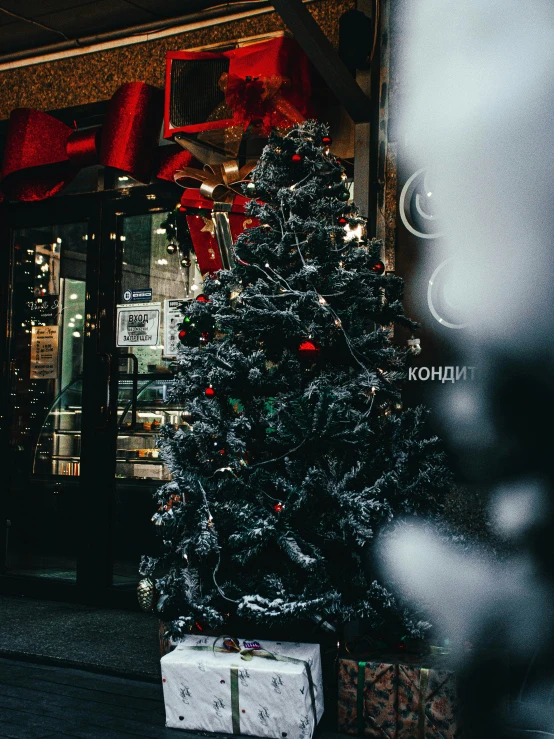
(195, 91)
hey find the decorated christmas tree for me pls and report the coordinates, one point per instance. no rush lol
(296, 452)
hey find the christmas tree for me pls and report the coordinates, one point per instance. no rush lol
(297, 452)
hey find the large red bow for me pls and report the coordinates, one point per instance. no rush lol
(43, 154)
(260, 99)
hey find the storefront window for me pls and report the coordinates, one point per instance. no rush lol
(46, 357)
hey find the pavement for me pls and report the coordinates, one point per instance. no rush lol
(106, 640)
(68, 670)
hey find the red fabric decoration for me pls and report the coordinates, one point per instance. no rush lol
(43, 155)
(267, 84)
(169, 159)
(202, 231)
(210, 392)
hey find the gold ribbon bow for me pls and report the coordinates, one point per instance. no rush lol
(230, 644)
(218, 182)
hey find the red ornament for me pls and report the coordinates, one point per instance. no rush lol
(198, 626)
(327, 141)
(278, 507)
(182, 334)
(378, 268)
(343, 221)
(182, 209)
(297, 158)
(210, 392)
(202, 298)
(309, 350)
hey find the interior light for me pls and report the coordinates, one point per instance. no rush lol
(58, 240)
(123, 178)
(76, 334)
(73, 296)
(353, 233)
(78, 315)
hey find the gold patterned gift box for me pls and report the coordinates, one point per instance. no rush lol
(367, 697)
(398, 697)
(427, 699)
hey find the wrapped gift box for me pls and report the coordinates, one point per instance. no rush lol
(398, 697)
(267, 83)
(427, 699)
(219, 691)
(202, 230)
(367, 697)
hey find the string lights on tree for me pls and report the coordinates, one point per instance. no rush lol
(293, 460)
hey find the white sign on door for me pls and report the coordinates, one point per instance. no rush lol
(44, 352)
(138, 325)
(173, 316)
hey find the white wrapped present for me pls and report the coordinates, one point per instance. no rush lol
(275, 691)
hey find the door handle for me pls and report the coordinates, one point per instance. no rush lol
(134, 391)
(105, 408)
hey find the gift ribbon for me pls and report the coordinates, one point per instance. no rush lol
(43, 154)
(235, 710)
(360, 701)
(248, 654)
(423, 687)
(218, 182)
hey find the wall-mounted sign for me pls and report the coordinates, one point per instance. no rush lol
(144, 295)
(139, 325)
(173, 316)
(44, 352)
(44, 309)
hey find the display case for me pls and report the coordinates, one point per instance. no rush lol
(137, 458)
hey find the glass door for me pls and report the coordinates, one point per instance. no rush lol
(43, 424)
(91, 318)
(154, 281)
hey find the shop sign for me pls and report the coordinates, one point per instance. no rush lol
(138, 296)
(173, 316)
(44, 309)
(138, 326)
(44, 352)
